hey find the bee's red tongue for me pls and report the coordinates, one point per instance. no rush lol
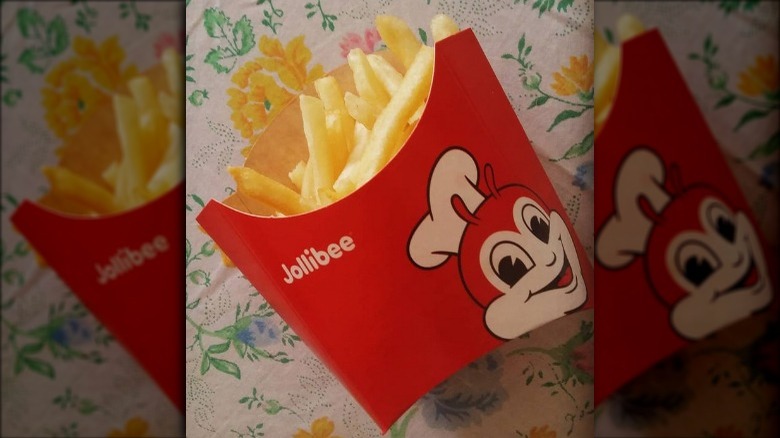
(565, 278)
(752, 278)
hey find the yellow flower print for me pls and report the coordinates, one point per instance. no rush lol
(541, 432)
(577, 77)
(289, 62)
(320, 428)
(103, 62)
(760, 78)
(260, 95)
(75, 85)
(67, 106)
(134, 427)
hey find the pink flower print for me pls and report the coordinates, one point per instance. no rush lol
(165, 40)
(353, 40)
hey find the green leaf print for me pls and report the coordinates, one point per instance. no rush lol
(51, 39)
(238, 39)
(768, 148)
(38, 366)
(269, 17)
(57, 35)
(729, 6)
(226, 367)
(578, 149)
(29, 22)
(128, 9)
(565, 115)
(327, 19)
(86, 16)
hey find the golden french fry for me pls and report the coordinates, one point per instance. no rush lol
(109, 175)
(337, 119)
(628, 26)
(599, 46)
(442, 26)
(361, 110)
(344, 185)
(171, 170)
(606, 75)
(337, 140)
(252, 183)
(143, 93)
(366, 82)
(174, 72)
(127, 122)
(307, 184)
(296, 175)
(170, 107)
(417, 114)
(316, 132)
(388, 76)
(399, 38)
(390, 123)
(67, 183)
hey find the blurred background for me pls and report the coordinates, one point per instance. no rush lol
(63, 373)
(726, 384)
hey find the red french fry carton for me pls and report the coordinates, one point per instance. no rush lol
(126, 268)
(459, 244)
(678, 252)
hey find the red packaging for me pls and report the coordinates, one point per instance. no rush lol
(127, 270)
(458, 244)
(678, 252)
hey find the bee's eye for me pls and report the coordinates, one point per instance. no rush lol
(721, 220)
(510, 262)
(725, 228)
(697, 270)
(696, 261)
(537, 222)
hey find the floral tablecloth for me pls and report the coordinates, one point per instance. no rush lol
(63, 375)
(725, 386)
(248, 374)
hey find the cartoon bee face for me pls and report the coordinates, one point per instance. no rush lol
(516, 257)
(702, 258)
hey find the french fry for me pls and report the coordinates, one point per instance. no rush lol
(361, 110)
(388, 76)
(344, 185)
(442, 26)
(171, 170)
(68, 184)
(389, 124)
(127, 122)
(628, 26)
(174, 71)
(366, 82)
(307, 184)
(109, 175)
(350, 137)
(399, 38)
(316, 132)
(607, 69)
(278, 196)
(143, 93)
(337, 119)
(296, 175)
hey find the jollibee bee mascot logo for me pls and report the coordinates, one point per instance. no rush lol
(702, 258)
(516, 257)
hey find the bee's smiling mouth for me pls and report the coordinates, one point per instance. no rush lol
(564, 278)
(749, 279)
